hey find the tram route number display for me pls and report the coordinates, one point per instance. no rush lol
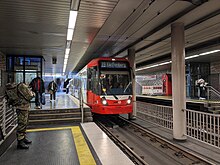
(113, 64)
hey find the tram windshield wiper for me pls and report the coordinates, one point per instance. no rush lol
(113, 95)
(127, 86)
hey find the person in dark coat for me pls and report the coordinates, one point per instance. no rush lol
(52, 88)
(37, 85)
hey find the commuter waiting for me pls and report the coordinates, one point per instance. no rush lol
(52, 88)
(37, 85)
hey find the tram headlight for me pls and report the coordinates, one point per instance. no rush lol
(104, 101)
(129, 100)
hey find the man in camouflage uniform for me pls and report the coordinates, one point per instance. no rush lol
(22, 110)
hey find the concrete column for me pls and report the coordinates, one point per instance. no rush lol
(131, 59)
(178, 81)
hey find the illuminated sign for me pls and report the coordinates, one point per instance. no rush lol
(114, 64)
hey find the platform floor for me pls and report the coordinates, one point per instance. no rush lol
(67, 146)
(187, 99)
(63, 101)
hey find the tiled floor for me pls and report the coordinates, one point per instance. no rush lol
(62, 101)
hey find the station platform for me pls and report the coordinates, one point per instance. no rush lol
(198, 105)
(84, 144)
(63, 101)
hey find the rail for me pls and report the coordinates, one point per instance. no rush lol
(8, 118)
(81, 104)
(213, 95)
(202, 126)
(156, 114)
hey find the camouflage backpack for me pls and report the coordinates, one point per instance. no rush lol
(25, 92)
(18, 93)
(12, 93)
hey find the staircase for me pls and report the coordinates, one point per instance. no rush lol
(58, 116)
(213, 100)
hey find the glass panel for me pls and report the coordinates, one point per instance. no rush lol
(18, 77)
(115, 83)
(29, 76)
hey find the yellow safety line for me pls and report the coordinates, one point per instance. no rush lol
(49, 129)
(83, 151)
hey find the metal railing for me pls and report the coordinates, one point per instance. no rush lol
(202, 126)
(213, 95)
(156, 114)
(8, 118)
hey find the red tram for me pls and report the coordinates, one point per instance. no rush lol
(106, 85)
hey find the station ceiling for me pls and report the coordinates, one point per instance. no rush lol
(106, 28)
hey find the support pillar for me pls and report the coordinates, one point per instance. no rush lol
(131, 59)
(178, 81)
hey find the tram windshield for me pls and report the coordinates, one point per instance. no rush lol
(115, 83)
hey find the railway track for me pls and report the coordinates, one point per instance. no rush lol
(145, 147)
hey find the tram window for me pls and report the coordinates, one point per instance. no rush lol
(94, 80)
(89, 79)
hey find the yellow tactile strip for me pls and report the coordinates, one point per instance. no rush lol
(83, 151)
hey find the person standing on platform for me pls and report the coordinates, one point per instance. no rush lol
(37, 85)
(201, 84)
(20, 96)
(52, 88)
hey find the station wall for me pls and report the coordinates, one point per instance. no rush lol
(2, 73)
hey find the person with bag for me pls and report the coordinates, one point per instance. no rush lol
(37, 85)
(20, 96)
(52, 88)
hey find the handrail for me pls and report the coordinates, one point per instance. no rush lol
(211, 92)
(215, 90)
(8, 118)
(81, 103)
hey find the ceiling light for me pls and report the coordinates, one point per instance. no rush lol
(69, 34)
(210, 52)
(186, 58)
(65, 61)
(72, 19)
(67, 51)
(193, 56)
(66, 56)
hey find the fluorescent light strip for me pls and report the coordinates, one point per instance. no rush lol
(70, 31)
(66, 56)
(65, 61)
(186, 58)
(193, 56)
(72, 19)
(210, 52)
(67, 51)
(69, 34)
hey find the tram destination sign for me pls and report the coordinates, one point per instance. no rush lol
(114, 64)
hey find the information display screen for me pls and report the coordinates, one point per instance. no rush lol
(113, 64)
